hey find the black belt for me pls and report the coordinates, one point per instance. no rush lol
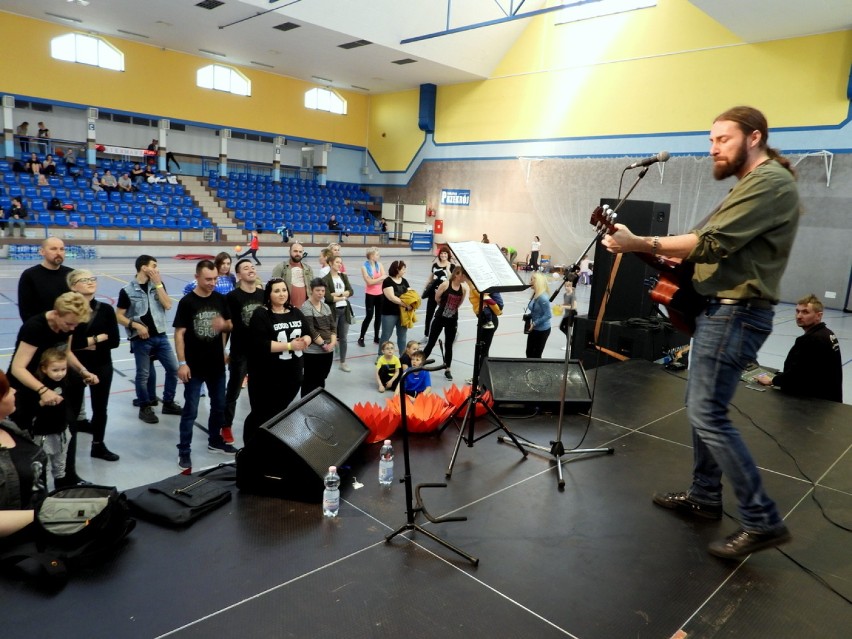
(751, 302)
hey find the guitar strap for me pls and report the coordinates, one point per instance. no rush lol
(602, 311)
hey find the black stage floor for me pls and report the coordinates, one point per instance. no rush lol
(595, 561)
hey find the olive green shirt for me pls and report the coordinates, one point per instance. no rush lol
(743, 248)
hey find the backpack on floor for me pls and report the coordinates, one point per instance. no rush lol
(75, 528)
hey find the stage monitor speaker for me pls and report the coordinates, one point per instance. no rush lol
(629, 297)
(290, 454)
(535, 383)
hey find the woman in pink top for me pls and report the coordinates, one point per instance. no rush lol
(374, 274)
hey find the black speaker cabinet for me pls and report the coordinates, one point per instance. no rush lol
(629, 297)
(625, 338)
(535, 383)
(290, 454)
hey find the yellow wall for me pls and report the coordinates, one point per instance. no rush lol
(658, 70)
(394, 133)
(161, 83)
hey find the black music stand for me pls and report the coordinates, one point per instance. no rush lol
(412, 510)
(489, 272)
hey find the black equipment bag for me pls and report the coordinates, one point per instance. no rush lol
(182, 499)
(74, 528)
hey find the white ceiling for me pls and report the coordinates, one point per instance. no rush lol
(242, 31)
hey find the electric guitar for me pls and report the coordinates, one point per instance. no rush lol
(673, 285)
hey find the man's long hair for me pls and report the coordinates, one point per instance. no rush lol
(750, 119)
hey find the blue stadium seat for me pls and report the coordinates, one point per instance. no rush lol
(104, 220)
(114, 196)
(133, 221)
(60, 219)
(119, 220)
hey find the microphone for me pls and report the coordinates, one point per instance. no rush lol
(662, 156)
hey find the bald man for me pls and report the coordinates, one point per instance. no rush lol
(41, 284)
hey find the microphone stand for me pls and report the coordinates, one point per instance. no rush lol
(412, 496)
(557, 449)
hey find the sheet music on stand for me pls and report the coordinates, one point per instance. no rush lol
(486, 267)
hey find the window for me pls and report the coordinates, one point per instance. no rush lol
(222, 78)
(597, 8)
(325, 100)
(86, 49)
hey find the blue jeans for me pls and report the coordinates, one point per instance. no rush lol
(191, 394)
(726, 339)
(158, 348)
(389, 323)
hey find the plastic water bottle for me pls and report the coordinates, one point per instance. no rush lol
(386, 464)
(331, 495)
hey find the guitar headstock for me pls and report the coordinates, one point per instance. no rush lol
(603, 219)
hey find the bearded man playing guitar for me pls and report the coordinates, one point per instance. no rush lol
(739, 255)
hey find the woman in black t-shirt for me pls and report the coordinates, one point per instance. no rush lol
(278, 335)
(450, 296)
(393, 287)
(440, 273)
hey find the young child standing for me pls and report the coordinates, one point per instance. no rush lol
(50, 426)
(387, 368)
(418, 382)
(254, 245)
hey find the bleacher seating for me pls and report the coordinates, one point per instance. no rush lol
(253, 201)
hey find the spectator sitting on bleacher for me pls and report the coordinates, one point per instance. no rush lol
(17, 217)
(32, 164)
(125, 184)
(41, 178)
(108, 182)
(48, 167)
(71, 162)
(285, 233)
(137, 173)
(96, 182)
(334, 225)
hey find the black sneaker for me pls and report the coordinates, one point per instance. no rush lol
(375, 340)
(185, 463)
(172, 408)
(744, 542)
(100, 451)
(222, 449)
(147, 415)
(153, 402)
(683, 503)
(448, 375)
(361, 341)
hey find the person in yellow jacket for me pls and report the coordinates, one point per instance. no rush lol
(393, 288)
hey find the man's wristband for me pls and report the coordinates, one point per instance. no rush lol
(42, 390)
(181, 364)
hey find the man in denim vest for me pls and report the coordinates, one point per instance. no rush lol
(141, 308)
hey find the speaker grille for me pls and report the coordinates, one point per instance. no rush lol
(536, 382)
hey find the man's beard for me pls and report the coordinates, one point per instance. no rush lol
(296, 259)
(726, 170)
